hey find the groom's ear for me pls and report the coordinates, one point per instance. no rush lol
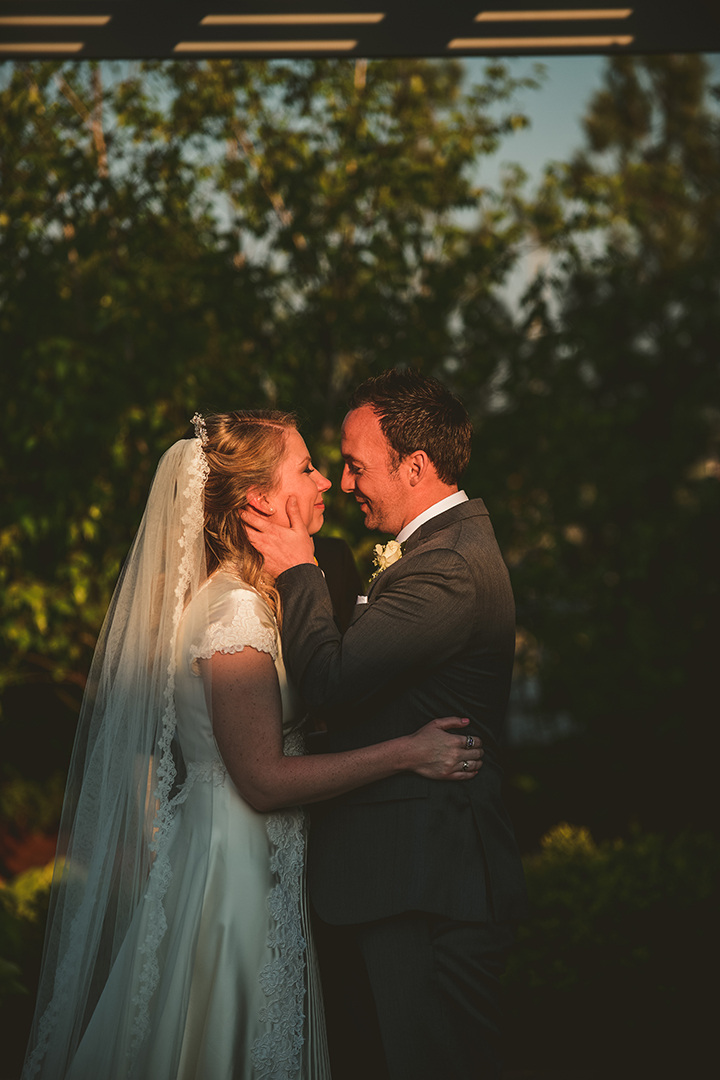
(417, 464)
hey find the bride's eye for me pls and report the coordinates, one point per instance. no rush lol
(310, 468)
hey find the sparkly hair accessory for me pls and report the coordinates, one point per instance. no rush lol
(198, 422)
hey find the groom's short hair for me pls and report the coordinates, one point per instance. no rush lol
(416, 412)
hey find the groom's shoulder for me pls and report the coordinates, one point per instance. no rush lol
(465, 524)
(464, 534)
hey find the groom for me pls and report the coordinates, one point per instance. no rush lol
(416, 884)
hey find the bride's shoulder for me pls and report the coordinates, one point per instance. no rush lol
(226, 580)
(229, 615)
(228, 594)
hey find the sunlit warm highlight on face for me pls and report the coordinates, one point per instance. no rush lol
(298, 476)
(369, 474)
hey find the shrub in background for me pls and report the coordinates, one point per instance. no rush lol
(23, 910)
(611, 968)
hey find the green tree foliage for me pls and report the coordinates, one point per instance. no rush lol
(347, 181)
(112, 276)
(212, 235)
(608, 449)
(23, 911)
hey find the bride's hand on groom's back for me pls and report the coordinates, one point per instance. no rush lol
(438, 754)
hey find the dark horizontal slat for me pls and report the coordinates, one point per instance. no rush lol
(153, 28)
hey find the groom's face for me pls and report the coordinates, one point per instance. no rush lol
(369, 474)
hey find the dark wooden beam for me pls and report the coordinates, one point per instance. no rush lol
(108, 29)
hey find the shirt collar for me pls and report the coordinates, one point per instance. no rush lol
(455, 499)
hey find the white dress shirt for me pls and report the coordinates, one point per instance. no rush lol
(455, 499)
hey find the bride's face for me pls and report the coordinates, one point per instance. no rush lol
(297, 476)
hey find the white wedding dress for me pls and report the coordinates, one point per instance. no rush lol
(217, 979)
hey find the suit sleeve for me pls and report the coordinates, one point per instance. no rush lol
(422, 614)
(336, 561)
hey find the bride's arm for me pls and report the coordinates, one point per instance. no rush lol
(246, 717)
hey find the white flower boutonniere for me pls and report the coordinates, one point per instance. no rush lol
(386, 556)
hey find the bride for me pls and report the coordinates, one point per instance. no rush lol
(178, 943)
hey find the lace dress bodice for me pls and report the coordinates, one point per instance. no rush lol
(238, 618)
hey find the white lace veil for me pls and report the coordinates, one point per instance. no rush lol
(123, 781)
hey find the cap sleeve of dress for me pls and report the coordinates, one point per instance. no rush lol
(239, 618)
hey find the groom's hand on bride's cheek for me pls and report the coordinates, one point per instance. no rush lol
(281, 546)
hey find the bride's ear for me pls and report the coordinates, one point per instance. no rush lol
(260, 503)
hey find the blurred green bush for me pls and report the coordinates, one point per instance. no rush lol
(23, 908)
(611, 968)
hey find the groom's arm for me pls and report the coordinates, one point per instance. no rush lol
(422, 615)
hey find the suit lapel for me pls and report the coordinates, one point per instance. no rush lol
(461, 512)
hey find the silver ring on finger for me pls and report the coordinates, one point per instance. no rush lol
(469, 742)
(466, 766)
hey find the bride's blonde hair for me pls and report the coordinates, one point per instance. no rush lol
(244, 450)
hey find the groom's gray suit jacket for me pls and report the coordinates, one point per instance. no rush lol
(436, 638)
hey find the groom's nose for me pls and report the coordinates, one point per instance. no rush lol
(347, 482)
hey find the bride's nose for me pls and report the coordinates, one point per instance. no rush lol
(323, 483)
